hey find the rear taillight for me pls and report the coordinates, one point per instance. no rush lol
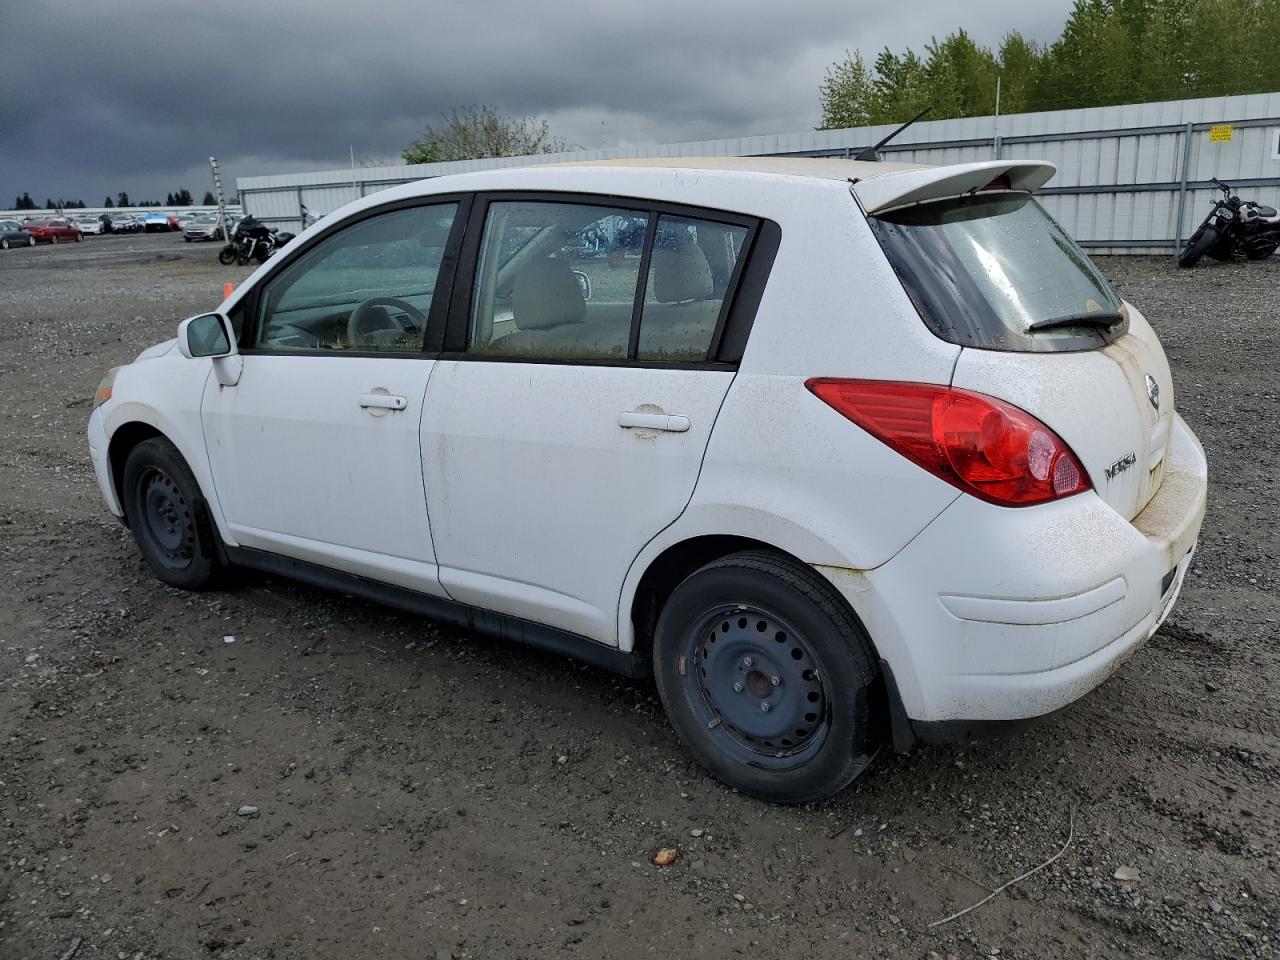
(982, 445)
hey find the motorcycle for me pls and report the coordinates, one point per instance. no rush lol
(1233, 226)
(252, 240)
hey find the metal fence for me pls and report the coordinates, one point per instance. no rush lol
(1131, 179)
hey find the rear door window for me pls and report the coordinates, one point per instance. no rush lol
(587, 281)
(557, 280)
(995, 271)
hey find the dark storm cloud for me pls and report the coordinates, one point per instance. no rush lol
(136, 94)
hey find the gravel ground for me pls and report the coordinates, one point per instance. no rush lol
(344, 781)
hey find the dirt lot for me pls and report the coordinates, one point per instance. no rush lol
(421, 792)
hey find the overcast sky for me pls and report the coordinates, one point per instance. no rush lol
(135, 95)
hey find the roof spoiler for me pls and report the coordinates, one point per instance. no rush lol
(900, 188)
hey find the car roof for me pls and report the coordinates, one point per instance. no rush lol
(822, 168)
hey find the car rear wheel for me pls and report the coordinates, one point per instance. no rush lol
(768, 678)
(54, 238)
(31, 241)
(4, 244)
(168, 516)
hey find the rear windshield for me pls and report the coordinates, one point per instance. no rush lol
(982, 270)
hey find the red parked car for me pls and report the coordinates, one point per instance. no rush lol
(52, 231)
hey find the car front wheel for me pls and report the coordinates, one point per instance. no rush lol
(768, 678)
(168, 517)
(4, 244)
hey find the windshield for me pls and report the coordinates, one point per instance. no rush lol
(982, 270)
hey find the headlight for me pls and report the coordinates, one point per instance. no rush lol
(103, 393)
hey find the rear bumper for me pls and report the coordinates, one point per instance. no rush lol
(994, 615)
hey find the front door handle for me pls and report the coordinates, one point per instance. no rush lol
(672, 422)
(384, 401)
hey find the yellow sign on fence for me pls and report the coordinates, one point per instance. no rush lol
(1220, 133)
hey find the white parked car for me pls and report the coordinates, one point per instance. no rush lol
(89, 225)
(849, 454)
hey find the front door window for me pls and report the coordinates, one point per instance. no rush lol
(365, 289)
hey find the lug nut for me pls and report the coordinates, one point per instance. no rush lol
(775, 680)
(737, 687)
(764, 707)
(747, 661)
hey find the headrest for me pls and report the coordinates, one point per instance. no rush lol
(546, 294)
(681, 273)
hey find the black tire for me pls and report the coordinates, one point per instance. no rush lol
(1199, 244)
(54, 238)
(79, 237)
(168, 516)
(31, 241)
(4, 244)
(756, 629)
(227, 256)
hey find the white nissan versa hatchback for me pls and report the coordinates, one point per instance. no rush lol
(848, 454)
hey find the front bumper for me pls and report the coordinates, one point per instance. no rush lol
(98, 445)
(995, 614)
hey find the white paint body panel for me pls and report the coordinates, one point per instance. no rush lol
(1096, 401)
(512, 486)
(1058, 564)
(302, 469)
(539, 500)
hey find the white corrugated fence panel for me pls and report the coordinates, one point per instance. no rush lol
(1095, 147)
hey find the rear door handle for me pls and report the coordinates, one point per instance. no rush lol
(384, 400)
(672, 422)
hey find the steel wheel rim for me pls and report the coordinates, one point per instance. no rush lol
(166, 517)
(757, 687)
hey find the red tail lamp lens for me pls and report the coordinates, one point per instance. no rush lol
(982, 445)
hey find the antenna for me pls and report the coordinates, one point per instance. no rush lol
(870, 153)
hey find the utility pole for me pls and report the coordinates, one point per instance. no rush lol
(224, 222)
(995, 133)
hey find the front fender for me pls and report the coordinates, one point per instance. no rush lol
(165, 394)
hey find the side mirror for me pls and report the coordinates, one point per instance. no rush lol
(584, 284)
(209, 335)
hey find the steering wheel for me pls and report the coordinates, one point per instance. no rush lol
(368, 325)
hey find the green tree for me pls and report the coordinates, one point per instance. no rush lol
(109, 204)
(1107, 52)
(474, 133)
(845, 94)
(24, 202)
(1019, 64)
(899, 87)
(960, 77)
(209, 199)
(122, 199)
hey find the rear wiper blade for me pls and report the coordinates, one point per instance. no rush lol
(1096, 318)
